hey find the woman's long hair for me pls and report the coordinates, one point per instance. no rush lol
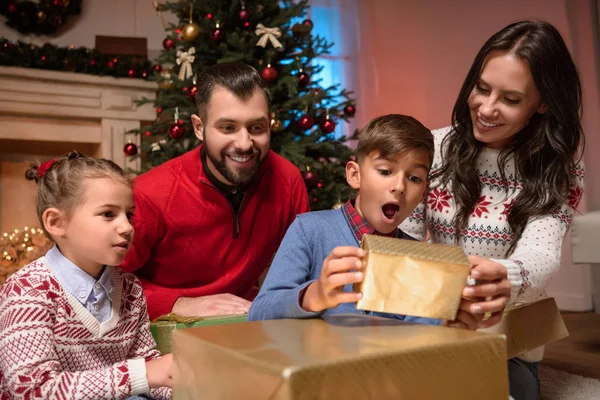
(545, 151)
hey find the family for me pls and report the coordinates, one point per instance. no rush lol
(502, 181)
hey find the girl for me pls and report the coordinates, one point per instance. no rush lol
(72, 325)
(506, 176)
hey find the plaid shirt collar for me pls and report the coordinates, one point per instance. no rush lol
(359, 225)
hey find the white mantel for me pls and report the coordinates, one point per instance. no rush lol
(45, 114)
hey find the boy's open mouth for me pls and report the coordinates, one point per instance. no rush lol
(390, 210)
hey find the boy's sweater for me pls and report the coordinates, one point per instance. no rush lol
(297, 264)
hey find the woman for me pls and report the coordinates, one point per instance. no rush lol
(507, 176)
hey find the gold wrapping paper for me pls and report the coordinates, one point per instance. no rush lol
(530, 326)
(412, 278)
(162, 328)
(338, 357)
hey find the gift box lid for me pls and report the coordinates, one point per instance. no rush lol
(339, 356)
(412, 248)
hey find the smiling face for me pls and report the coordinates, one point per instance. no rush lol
(503, 100)
(236, 135)
(388, 190)
(98, 232)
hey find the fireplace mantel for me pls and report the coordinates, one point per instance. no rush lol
(45, 114)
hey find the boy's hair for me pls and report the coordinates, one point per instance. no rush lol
(392, 135)
(61, 181)
(240, 79)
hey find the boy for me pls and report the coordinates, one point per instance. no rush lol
(318, 261)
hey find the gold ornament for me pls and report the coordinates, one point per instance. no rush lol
(41, 16)
(166, 81)
(337, 205)
(190, 31)
(276, 125)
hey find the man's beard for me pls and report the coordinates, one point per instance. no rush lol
(241, 177)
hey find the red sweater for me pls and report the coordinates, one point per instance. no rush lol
(184, 242)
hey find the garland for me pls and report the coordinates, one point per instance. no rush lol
(73, 59)
(42, 18)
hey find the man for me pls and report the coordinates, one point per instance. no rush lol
(208, 223)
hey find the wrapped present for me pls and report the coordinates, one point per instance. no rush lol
(345, 356)
(530, 326)
(412, 278)
(162, 327)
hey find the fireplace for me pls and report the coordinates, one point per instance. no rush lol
(45, 114)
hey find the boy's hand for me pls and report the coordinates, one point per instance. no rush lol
(489, 295)
(158, 371)
(327, 291)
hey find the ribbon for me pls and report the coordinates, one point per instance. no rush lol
(185, 59)
(44, 167)
(268, 34)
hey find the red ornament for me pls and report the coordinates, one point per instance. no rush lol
(178, 31)
(92, 62)
(306, 122)
(43, 58)
(168, 43)
(310, 178)
(327, 125)
(58, 3)
(157, 68)
(176, 130)
(111, 64)
(350, 110)
(209, 16)
(246, 24)
(12, 8)
(244, 15)
(148, 133)
(130, 149)
(131, 73)
(159, 110)
(269, 74)
(192, 92)
(217, 34)
(303, 79)
(308, 22)
(145, 74)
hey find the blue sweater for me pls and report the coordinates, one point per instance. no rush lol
(297, 264)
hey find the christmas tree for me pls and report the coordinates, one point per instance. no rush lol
(275, 38)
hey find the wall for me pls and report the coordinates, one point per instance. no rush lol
(414, 56)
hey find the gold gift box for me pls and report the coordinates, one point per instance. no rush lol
(338, 357)
(412, 278)
(530, 326)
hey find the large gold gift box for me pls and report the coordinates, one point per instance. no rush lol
(338, 357)
(412, 278)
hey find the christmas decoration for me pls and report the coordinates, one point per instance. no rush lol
(176, 130)
(190, 31)
(303, 79)
(217, 34)
(306, 122)
(327, 125)
(73, 59)
(185, 59)
(269, 74)
(192, 92)
(168, 43)
(166, 79)
(256, 33)
(268, 34)
(311, 178)
(350, 110)
(131, 73)
(157, 68)
(337, 205)
(44, 18)
(130, 149)
(276, 124)
(20, 247)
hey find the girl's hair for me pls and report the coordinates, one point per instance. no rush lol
(61, 181)
(545, 151)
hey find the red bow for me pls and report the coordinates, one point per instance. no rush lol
(44, 167)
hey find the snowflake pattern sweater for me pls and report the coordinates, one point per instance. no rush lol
(536, 256)
(52, 347)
